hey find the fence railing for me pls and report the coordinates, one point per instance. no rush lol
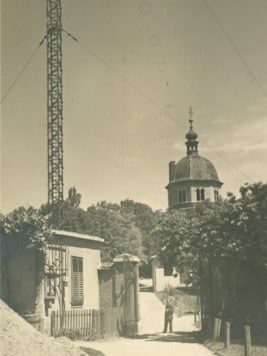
(78, 324)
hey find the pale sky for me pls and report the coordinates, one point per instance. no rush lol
(117, 139)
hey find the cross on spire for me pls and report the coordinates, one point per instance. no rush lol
(190, 112)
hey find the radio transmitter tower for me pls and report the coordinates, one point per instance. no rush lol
(54, 109)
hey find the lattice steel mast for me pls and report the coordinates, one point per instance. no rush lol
(54, 108)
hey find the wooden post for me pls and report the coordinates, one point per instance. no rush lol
(215, 327)
(98, 325)
(53, 326)
(219, 328)
(247, 340)
(227, 334)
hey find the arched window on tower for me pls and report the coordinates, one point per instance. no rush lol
(200, 194)
(216, 195)
(182, 196)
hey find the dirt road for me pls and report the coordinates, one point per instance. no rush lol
(151, 340)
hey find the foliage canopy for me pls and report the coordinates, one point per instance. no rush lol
(125, 227)
(230, 228)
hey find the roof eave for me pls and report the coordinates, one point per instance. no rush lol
(77, 235)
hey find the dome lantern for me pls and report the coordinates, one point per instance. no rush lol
(191, 136)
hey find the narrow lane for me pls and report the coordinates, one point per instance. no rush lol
(151, 340)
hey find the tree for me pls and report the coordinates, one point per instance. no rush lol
(224, 243)
(117, 228)
(145, 219)
(233, 228)
(26, 225)
(74, 198)
(72, 217)
(125, 227)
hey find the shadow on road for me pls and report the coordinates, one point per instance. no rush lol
(182, 336)
(91, 352)
(143, 288)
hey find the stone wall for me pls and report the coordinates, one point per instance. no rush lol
(22, 278)
(118, 287)
(105, 276)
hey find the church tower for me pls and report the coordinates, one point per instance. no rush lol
(194, 178)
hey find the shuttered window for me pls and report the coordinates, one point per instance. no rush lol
(77, 281)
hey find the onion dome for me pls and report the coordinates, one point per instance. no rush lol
(191, 134)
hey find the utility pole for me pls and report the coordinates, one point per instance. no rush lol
(54, 109)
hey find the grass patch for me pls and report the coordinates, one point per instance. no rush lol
(235, 349)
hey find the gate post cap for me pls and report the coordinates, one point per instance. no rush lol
(126, 257)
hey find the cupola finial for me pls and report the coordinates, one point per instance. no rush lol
(191, 136)
(190, 112)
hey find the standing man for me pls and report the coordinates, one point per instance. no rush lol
(168, 316)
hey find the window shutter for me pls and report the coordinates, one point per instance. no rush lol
(77, 281)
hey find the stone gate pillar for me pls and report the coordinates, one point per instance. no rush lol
(127, 290)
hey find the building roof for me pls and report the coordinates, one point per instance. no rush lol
(77, 235)
(194, 167)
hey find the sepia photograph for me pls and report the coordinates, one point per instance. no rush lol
(133, 178)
